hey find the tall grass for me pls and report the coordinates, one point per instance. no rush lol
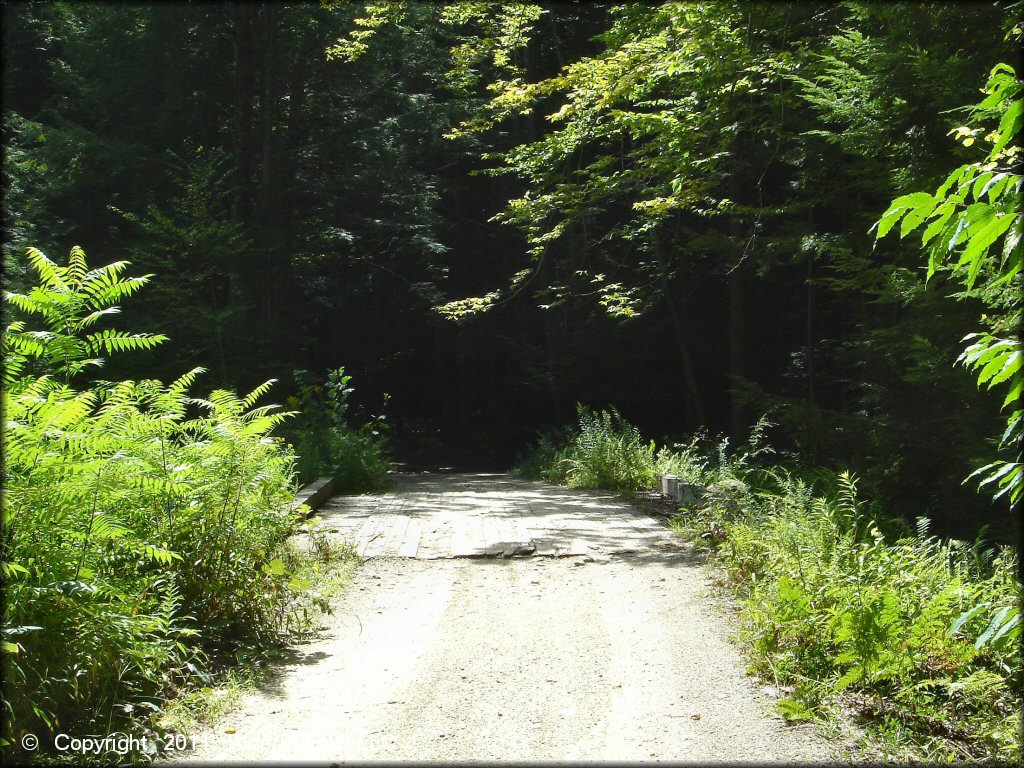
(846, 611)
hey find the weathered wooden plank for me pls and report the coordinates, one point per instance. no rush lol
(411, 540)
(521, 529)
(395, 534)
(391, 503)
(492, 542)
(470, 516)
(506, 532)
(368, 533)
(463, 541)
(434, 540)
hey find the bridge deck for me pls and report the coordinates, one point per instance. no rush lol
(487, 515)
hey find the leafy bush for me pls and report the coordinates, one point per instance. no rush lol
(546, 460)
(605, 451)
(142, 527)
(684, 460)
(974, 229)
(326, 443)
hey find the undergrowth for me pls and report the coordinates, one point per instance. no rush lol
(144, 530)
(849, 613)
(325, 570)
(602, 452)
(326, 442)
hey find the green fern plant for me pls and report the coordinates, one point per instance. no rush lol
(841, 606)
(71, 300)
(608, 452)
(137, 519)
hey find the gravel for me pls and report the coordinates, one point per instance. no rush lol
(518, 660)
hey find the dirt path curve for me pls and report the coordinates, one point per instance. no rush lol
(584, 657)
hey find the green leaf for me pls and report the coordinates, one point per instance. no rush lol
(944, 212)
(964, 171)
(160, 555)
(1005, 468)
(1009, 125)
(916, 205)
(852, 676)
(1009, 365)
(887, 222)
(914, 201)
(1014, 427)
(965, 617)
(995, 186)
(1009, 630)
(913, 220)
(980, 184)
(977, 247)
(794, 711)
(1014, 394)
(9, 570)
(994, 625)
(275, 567)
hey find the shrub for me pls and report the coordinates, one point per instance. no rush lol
(915, 634)
(546, 460)
(604, 451)
(141, 526)
(684, 460)
(356, 457)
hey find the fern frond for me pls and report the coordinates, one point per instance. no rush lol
(99, 278)
(23, 302)
(123, 289)
(28, 344)
(249, 400)
(94, 317)
(184, 382)
(158, 554)
(48, 272)
(106, 527)
(120, 341)
(76, 268)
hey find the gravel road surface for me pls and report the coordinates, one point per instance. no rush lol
(621, 658)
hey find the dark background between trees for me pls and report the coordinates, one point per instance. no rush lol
(305, 212)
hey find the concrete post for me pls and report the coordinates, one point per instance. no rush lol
(664, 481)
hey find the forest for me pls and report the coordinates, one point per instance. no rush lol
(468, 235)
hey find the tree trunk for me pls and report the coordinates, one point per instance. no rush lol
(692, 402)
(736, 367)
(242, 48)
(812, 400)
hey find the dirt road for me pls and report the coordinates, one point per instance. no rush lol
(584, 657)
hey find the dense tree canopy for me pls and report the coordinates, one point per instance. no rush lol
(492, 211)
